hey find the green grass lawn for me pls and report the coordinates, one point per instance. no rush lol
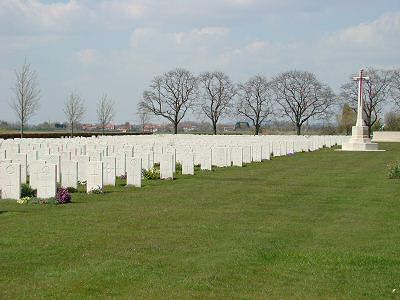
(314, 225)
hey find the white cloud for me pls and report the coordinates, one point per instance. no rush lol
(200, 34)
(383, 31)
(142, 35)
(128, 9)
(34, 14)
(86, 56)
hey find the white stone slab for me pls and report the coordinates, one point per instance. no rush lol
(188, 163)
(21, 158)
(109, 171)
(95, 176)
(83, 161)
(47, 185)
(167, 166)
(134, 171)
(69, 174)
(10, 181)
(237, 156)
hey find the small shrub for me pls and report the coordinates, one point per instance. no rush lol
(178, 168)
(24, 200)
(72, 190)
(27, 191)
(63, 196)
(83, 182)
(394, 170)
(151, 174)
(97, 191)
(122, 177)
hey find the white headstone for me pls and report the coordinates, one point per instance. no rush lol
(188, 164)
(69, 174)
(237, 156)
(83, 161)
(47, 185)
(256, 152)
(109, 172)
(54, 159)
(167, 166)
(95, 176)
(134, 171)
(206, 159)
(220, 157)
(21, 159)
(35, 168)
(10, 181)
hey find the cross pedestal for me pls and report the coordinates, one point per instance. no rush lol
(360, 140)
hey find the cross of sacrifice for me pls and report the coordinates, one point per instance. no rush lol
(360, 78)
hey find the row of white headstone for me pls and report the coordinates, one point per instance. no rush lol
(99, 160)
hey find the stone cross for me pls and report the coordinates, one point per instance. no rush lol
(360, 78)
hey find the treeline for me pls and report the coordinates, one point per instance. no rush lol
(294, 96)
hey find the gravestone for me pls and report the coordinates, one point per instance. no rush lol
(69, 174)
(54, 159)
(31, 155)
(134, 171)
(21, 158)
(35, 168)
(109, 172)
(83, 161)
(220, 157)
(206, 159)
(256, 152)
(121, 164)
(10, 180)
(237, 156)
(47, 185)
(188, 163)
(167, 166)
(95, 176)
(247, 155)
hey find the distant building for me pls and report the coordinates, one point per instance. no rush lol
(89, 127)
(109, 127)
(242, 126)
(60, 125)
(229, 128)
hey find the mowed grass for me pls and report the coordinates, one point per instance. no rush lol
(314, 225)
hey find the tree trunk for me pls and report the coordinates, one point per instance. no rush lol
(22, 130)
(298, 129)
(369, 130)
(175, 127)
(72, 129)
(215, 128)
(103, 129)
(257, 129)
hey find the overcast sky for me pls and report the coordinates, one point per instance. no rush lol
(117, 47)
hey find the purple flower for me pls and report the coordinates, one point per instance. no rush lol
(63, 196)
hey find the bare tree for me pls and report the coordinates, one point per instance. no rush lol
(144, 115)
(376, 92)
(301, 97)
(27, 94)
(105, 111)
(74, 109)
(171, 95)
(395, 88)
(255, 102)
(216, 95)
